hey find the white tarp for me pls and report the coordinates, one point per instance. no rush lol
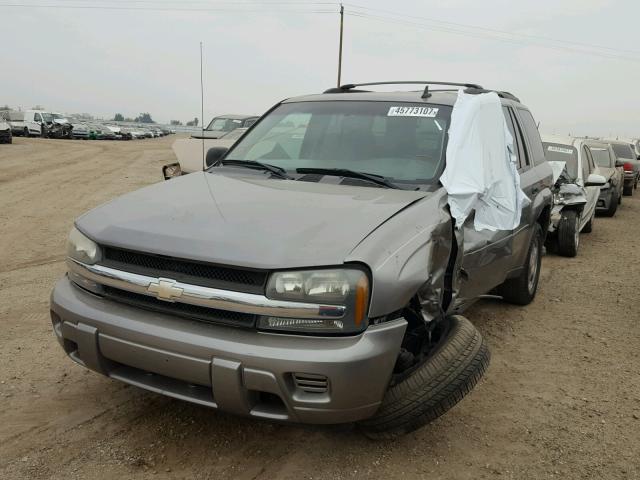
(481, 172)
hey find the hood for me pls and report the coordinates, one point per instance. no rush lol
(210, 134)
(248, 221)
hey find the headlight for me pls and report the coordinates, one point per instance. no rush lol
(348, 287)
(558, 199)
(81, 248)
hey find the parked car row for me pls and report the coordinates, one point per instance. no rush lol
(315, 270)
(591, 176)
(40, 123)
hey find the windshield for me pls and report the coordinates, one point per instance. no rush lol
(220, 124)
(47, 117)
(601, 157)
(400, 141)
(237, 133)
(555, 152)
(623, 150)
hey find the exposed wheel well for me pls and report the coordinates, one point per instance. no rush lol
(544, 219)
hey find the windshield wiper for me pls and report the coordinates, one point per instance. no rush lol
(345, 172)
(277, 171)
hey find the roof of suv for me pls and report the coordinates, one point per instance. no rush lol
(559, 139)
(440, 97)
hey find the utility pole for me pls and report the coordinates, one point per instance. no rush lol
(340, 49)
(204, 163)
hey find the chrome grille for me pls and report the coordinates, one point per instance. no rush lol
(194, 312)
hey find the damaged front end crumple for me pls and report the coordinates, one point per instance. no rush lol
(566, 195)
(416, 275)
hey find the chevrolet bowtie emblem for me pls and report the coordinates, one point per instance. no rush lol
(165, 290)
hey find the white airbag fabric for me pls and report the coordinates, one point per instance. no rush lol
(481, 172)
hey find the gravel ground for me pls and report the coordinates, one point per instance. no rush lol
(561, 398)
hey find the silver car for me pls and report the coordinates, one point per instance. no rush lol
(576, 191)
(313, 274)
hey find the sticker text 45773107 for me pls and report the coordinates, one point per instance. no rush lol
(429, 112)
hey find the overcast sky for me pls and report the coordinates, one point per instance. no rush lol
(104, 61)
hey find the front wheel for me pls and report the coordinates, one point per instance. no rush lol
(627, 191)
(448, 373)
(522, 289)
(569, 233)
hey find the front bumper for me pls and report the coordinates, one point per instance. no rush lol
(630, 178)
(606, 197)
(292, 378)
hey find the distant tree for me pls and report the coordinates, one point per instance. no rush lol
(118, 117)
(144, 118)
(175, 122)
(5, 107)
(193, 123)
(38, 107)
(129, 119)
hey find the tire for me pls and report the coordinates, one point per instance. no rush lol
(10, 139)
(25, 132)
(569, 233)
(613, 206)
(588, 227)
(446, 376)
(522, 289)
(627, 191)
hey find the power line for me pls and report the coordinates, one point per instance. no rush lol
(498, 33)
(515, 41)
(263, 8)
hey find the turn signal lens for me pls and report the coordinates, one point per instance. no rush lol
(362, 297)
(628, 167)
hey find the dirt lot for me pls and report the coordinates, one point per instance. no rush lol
(560, 400)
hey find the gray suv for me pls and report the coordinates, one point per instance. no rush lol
(313, 273)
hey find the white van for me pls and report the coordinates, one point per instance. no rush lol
(23, 123)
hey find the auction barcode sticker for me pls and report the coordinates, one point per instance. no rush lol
(568, 151)
(429, 112)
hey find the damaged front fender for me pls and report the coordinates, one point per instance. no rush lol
(413, 253)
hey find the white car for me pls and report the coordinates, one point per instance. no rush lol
(576, 190)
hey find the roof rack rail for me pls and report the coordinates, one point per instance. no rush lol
(351, 86)
(471, 88)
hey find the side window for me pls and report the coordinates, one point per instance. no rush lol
(531, 131)
(37, 118)
(517, 139)
(586, 163)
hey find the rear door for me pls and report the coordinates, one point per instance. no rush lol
(532, 181)
(588, 167)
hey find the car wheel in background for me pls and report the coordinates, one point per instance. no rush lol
(569, 233)
(627, 190)
(522, 289)
(25, 132)
(613, 206)
(448, 373)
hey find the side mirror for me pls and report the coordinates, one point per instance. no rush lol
(171, 170)
(214, 154)
(595, 180)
